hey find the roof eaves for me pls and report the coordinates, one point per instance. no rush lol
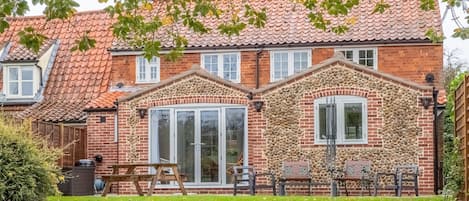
(196, 70)
(340, 59)
(284, 45)
(106, 109)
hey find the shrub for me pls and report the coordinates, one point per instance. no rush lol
(453, 161)
(28, 169)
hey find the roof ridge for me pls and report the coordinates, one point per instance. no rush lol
(85, 12)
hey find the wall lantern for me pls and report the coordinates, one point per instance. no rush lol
(426, 101)
(258, 105)
(98, 158)
(250, 96)
(141, 112)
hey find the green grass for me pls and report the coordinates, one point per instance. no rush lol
(239, 198)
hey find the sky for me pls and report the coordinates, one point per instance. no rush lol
(460, 46)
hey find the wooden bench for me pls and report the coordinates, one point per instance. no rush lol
(356, 171)
(132, 176)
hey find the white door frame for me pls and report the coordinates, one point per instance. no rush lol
(197, 108)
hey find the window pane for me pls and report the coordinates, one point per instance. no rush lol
(369, 53)
(353, 120)
(154, 73)
(27, 88)
(13, 88)
(361, 53)
(141, 68)
(13, 73)
(280, 65)
(26, 74)
(234, 140)
(300, 61)
(185, 143)
(322, 121)
(160, 118)
(211, 63)
(230, 66)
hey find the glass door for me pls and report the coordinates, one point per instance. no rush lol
(209, 146)
(205, 142)
(197, 133)
(185, 143)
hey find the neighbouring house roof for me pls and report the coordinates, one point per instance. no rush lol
(195, 70)
(23, 54)
(105, 101)
(288, 25)
(76, 78)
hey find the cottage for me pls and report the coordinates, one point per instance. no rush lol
(257, 98)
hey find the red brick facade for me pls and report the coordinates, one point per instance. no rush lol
(411, 62)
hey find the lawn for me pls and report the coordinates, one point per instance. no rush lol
(240, 198)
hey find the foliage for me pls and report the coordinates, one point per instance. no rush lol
(452, 165)
(453, 67)
(28, 170)
(247, 198)
(145, 23)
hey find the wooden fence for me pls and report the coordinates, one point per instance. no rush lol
(461, 99)
(72, 139)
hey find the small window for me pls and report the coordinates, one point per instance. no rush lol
(19, 81)
(350, 116)
(286, 63)
(364, 56)
(148, 71)
(225, 65)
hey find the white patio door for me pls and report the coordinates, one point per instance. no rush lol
(204, 141)
(197, 144)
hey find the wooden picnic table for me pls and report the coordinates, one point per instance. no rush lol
(131, 175)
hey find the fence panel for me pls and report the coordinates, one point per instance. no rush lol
(72, 140)
(461, 114)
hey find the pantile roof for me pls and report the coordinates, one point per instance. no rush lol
(76, 78)
(105, 101)
(23, 54)
(287, 24)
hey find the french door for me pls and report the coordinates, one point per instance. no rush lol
(205, 142)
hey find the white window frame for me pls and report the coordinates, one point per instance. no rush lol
(6, 80)
(147, 70)
(340, 101)
(220, 70)
(356, 54)
(291, 61)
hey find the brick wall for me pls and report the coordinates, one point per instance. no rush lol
(409, 62)
(101, 140)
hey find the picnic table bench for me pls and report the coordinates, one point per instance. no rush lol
(131, 175)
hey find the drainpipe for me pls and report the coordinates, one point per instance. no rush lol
(435, 141)
(116, 132)
(258, 54)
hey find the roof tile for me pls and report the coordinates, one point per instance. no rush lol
(106, 100)
(22, 54)
(288, 24)
(64, 97)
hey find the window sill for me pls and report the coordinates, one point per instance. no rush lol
(343, 143)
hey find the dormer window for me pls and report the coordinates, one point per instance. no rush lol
(21, 81)
(148, 71)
